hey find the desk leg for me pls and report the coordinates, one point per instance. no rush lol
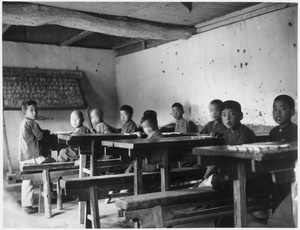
(164, 171)
(294, 194)
(239, 193)
(138, 175)
(81, 204)
(93, 160)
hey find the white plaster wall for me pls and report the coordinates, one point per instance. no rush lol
(251, 61)
(98, 66)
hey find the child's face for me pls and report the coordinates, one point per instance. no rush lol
(282, 112)
(147, 127)
(96, 118)
(177, 112)
(215, 111)
(231, 118)
(31, 112)
(124, 116)
(76, 120)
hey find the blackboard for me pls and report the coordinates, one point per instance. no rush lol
(51, 89)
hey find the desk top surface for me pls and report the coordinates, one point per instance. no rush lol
(94, 136)
(163, 142)
(255, 151)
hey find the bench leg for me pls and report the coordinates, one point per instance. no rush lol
(59, 196)
(158, 218)
(41, 199)
(92, 219)
(81, 205)
(47, 194)
(136, 223)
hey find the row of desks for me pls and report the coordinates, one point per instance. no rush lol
(238, 163)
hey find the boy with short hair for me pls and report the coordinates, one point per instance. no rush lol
(236, 133)
(182, 126)
(70, 153)
(283, 110)
(32, 150)
(98, 123)
(150, 127)
(126, 112)
(215, 127)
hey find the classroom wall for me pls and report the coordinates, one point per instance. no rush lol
(98, 66)
(251, 61)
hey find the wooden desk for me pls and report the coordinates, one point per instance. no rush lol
(161, 149)
(90, 144)
(237, 163)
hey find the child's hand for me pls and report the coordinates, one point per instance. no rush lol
(93, 130)
(139, 134)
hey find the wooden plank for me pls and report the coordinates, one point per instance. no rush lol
(158, 216)
(241, 15)
(37, 15)
(49, 166)
(239, 193)
(76, 38)
(94, 207)
(47, 194)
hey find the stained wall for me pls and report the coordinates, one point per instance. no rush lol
(251, 61)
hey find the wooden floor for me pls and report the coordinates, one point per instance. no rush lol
(13, 216)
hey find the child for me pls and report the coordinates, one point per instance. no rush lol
(236, 133)
(72, 154)
(283, 110)
(97, 120)
(182, 126)
(215, 127)
(150, 127)
(32, 150)
(126, 113)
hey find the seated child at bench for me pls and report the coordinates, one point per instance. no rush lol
(283, 110)
(236, 134)
(182, 126)
(98, 123)
(150, 127)
(69, 153)
(215, 128)
(126, 113)
(33, 149)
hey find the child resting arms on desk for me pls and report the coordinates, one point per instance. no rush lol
(71, 153)
(150, 126)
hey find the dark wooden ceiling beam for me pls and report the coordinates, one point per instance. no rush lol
(38, 15)
(5, 27)
(76, 38)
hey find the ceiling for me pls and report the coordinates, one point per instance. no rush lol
(122, 26)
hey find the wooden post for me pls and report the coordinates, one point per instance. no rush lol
(10, 177)
(93, 196)
(47, 195)
(158, 217)
(81, 204)
(239, 193)
(59, 196)
(138, 175)
(165, 177)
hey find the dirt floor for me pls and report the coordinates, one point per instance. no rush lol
(14, 217)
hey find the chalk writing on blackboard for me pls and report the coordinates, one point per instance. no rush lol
(51, 89)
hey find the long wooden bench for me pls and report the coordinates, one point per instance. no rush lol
(45, 174)
(90, 189)
(171, 208)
